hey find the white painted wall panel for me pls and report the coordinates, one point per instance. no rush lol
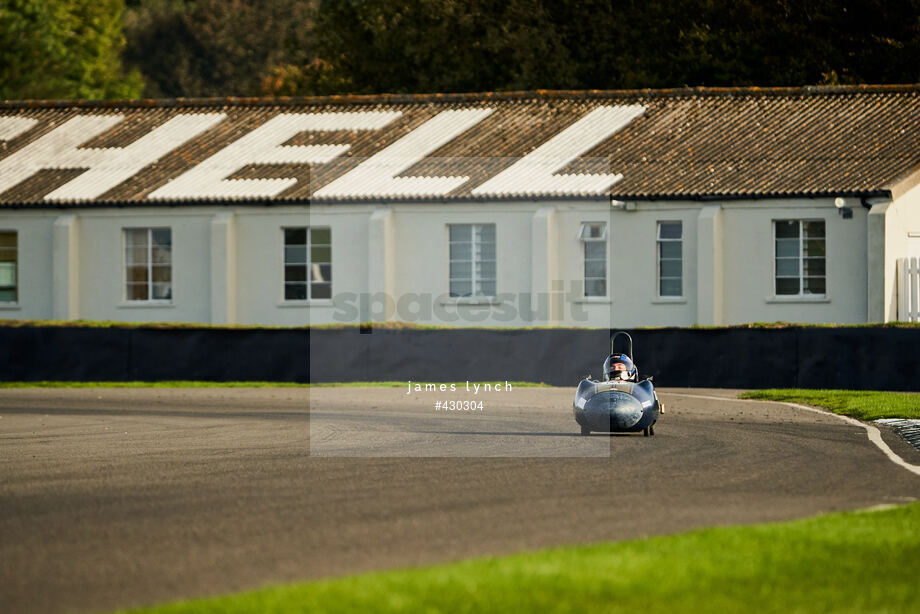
(418, 262)
(634, 262)
(102, 274)
(749, 291)
(34, 234)
(260, 257)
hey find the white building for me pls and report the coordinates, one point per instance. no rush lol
(646, 208)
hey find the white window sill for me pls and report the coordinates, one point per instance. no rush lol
(474, 300)
(595, 300)
(145, 305)
(321, 302)
(10, 307)
(670, 300)
(799, 298)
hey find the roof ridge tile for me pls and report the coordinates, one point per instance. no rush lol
(449, 97)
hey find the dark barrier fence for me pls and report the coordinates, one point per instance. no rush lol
(154, 354)
(853, 358)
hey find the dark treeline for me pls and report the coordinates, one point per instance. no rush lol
(170, 48)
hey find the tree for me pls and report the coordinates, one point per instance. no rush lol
(373, 46)
(215, 47)
(480, 45)
(63, 49)
(70, 48)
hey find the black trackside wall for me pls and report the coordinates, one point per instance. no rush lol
(851, 358)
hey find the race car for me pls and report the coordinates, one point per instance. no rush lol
(620, 403)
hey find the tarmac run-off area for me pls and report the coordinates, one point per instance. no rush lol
(112, 498)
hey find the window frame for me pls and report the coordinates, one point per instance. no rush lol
(585, 238)
(473, 297)
(801, 295)
(308, 264)
(15, 286)
(658, 259)
(149, 264)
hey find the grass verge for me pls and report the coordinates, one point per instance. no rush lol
(165, 384)
(197, 384)
(851, 562)
(861, 404)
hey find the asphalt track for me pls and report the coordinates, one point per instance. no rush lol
(118, 498)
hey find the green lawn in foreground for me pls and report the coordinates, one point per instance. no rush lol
(195, 384)
(852, 562)
(861, 404)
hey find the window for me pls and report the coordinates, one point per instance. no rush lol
(594, 237)
(472, 260)
(148, 264)
(307, 263)
(800, 257)
(8, 261)
(670, 259)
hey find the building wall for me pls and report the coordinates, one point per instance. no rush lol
(260, 263)
(101, 264)
(34, 232)
(902, 240)
(421, 280)
(390, 262)
(634, 266)
(748, 257)
(539, 282)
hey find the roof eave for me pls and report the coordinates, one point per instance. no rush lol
(238, 101)
(280, 202)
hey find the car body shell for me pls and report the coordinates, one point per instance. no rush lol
(616, 406)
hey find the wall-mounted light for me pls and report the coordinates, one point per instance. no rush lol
(623, 205)
(844, 211)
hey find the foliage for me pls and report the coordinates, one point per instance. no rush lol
(63, 49)
(70, 48)
(215, 47)
(432, 45)
(370, 46)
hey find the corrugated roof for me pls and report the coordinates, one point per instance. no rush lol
(668, 144)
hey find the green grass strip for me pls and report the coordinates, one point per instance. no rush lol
(851, 562)
(164, 384)
(198, 384)
(861, 404)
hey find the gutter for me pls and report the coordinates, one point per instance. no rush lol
(863, 195)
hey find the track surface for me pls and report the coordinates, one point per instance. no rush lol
(119, 498)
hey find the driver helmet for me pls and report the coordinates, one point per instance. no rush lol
(620, 367)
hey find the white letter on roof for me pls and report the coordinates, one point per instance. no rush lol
(376, 176)
(109, 166)
(534, 173)
(11, 127)
(264, 145)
